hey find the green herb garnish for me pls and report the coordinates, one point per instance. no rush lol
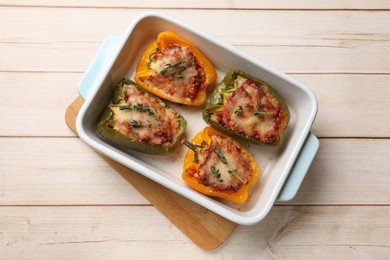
(217, 150)
(216, 173)
(259, 112)
(180, 70)
(239, 110)
(136, 124)
(126, 107)
(139, 107)
(234, 172)
(170, 66)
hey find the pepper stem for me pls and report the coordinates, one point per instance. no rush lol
(195, 148)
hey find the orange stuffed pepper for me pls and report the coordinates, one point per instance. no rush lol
(216, 165)
(174, 69)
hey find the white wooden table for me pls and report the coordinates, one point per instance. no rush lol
(60, 200)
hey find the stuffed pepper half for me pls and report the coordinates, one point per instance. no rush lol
(141, 121)
(218, 166)
(247, 107)
(172, 68)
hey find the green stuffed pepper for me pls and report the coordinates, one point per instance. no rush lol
(246, 107)
(140, 121)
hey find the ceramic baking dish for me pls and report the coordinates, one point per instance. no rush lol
(282, 168)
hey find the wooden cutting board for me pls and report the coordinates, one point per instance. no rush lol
(205, 228)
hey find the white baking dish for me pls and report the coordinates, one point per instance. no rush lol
(283, 166)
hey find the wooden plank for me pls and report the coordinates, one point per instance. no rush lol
(61, 171)
(204, 4)
(55, 39)
(300, 232)
(332, 28)
(47, 57)
(281, 54)
(65, 171)
(348, 171)
(36, 103)
(341, 36)
(39, 25)
(350, 105)
(341, 98)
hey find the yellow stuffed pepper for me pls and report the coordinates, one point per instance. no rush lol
(216, 165)
(174, 69)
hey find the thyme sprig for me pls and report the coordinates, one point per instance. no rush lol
(217, 150)
(139, 107)
(260, 111)
(180, 72)
(239, 110)
(234, 173)
(171, 66)
(136, 124)
(216, 173)
(180, 69)
(126, 107)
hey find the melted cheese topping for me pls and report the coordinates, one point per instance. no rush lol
(146, 119)
(176, 73)
(168, 58)
(252, 111)
(229, 173)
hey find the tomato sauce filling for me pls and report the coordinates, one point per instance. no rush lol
(145, 119)
(253, 112)
(176, 72)
(224, 166)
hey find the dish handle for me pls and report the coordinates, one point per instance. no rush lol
(300, 167)
(99, 62)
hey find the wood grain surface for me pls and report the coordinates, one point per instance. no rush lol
(60, 200)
